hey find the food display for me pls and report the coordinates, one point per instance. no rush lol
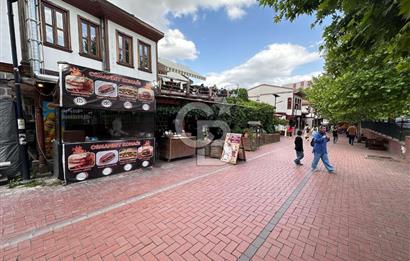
(146, 151)
(88, 88)
(96, 159)
(128, 92)
(107, 157)
(77, 83)
(128, 154)
(83, 155)
(106, 89)
(81, 161)
(145, 95)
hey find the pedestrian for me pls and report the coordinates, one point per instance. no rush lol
(307, 132)
(319, 143)
(351, 132)
(299, 148)
(335, 135)
(290, 131)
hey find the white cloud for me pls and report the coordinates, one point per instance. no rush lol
(157, 12)
(275, 65)
(235, 13)
(176, 46)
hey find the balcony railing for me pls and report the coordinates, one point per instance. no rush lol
(181, 89)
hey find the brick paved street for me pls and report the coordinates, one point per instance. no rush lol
(183, 212)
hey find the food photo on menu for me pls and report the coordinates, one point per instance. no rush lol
(127, 92)
(105, 158)
(146, 151)
(80, 159)
(105, 89)
(77, 83)
(128, 154)
(146, 94)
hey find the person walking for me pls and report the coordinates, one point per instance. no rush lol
(307, 132)
(320, 140)
(299, 148)
(351, 132)
(335, 134)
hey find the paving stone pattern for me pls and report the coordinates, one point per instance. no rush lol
(360, 213)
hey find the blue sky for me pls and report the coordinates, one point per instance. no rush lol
(223, 43)
(233, 41)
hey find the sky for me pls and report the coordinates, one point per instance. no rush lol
(233, 42)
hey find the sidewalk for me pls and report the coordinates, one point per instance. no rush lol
(266, 208)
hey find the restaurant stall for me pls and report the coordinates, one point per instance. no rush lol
(105, 123)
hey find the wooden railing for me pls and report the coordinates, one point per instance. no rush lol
(191, 91)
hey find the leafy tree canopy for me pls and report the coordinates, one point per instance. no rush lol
(366, 48)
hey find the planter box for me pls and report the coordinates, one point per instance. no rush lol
(249, 144)
(276, 137)
(216, 149)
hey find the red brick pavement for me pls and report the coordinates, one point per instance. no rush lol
(361, 213)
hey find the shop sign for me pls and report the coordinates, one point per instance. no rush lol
(96, 159)
(89, 88)
(232, 146)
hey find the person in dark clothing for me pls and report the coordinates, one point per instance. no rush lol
(335, 134)
(299, 148)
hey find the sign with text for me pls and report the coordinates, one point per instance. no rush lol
(231, 147)
(102, 158)
(89, 88)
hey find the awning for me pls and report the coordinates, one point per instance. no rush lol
(175, 76)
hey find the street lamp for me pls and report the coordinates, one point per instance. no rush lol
(276, 96)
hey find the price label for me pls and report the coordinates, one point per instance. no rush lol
(21, 125)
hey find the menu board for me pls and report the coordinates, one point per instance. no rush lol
(96, 159)
(231, 147)
(89, 88)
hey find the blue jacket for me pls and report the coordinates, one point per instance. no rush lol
(320, 143)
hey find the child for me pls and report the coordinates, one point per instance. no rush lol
(307, 132)
(299, 148)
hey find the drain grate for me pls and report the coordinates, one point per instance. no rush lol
(380, 157)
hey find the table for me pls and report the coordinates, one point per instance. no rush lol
(174, 147)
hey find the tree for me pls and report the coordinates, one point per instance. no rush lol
(366, 46)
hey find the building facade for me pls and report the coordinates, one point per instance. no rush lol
(286, 100)
(94, 34)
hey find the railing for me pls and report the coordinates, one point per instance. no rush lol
(391, 129)
(191, 91)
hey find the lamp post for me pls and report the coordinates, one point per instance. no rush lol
(21, 130)
(276, 96)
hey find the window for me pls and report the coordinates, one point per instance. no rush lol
(289, 103)
(89, 33)
(55, 26)
(124, 50)
(144, 56)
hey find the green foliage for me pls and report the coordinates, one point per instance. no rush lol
(242, 94)
(367, 47)
(236, 115)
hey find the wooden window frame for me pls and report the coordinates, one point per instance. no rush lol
(66, 24)
(149, 69)
(289, 107)
(80, 37)
(124, 36)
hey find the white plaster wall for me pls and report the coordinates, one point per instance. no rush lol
(124, 70)
(265, 94)
(5, 46)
